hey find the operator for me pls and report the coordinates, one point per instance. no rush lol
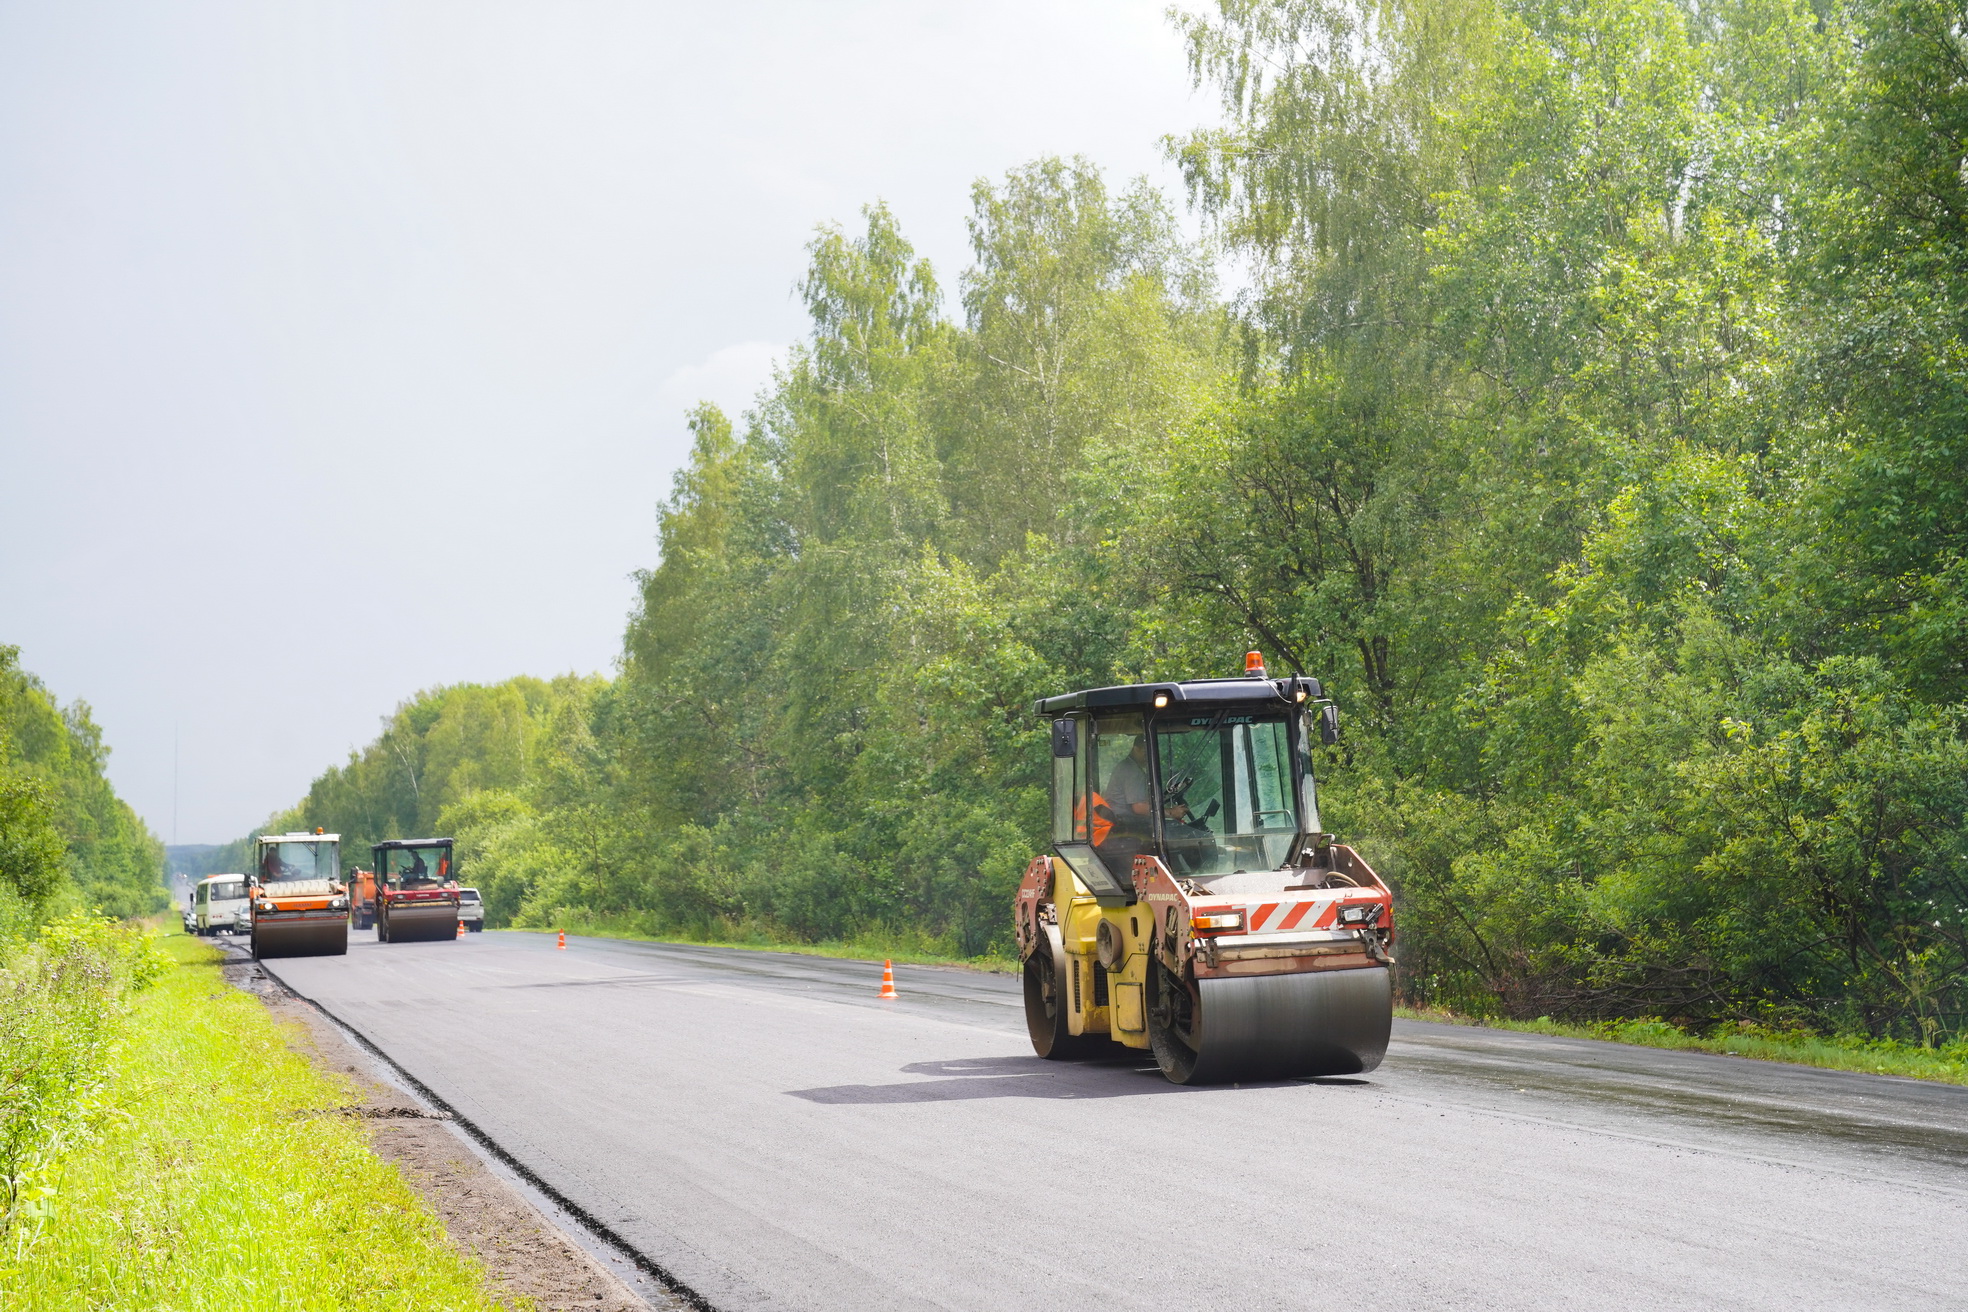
(1129, 786)
(417, 870)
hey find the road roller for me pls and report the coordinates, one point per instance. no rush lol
(1190, 903)
(299, 904)
(416, 890)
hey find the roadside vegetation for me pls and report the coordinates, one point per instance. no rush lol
(67, 841)
(160, 1145)
(1591, 419)
(203, 1166)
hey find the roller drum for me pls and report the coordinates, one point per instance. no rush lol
(1254, 1027)
(300, 938)
(1045, 1004)
(422, 924)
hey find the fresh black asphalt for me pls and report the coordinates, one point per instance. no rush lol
(766, 1129)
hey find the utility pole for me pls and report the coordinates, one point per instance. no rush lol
(174, 785)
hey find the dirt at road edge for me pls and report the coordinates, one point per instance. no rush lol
(526, 1255)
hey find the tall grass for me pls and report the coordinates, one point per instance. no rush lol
(210, 1179)
(64, 998)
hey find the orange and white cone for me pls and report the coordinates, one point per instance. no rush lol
(888, 979)
(561, 936)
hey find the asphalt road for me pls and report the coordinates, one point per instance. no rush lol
(772, 1134)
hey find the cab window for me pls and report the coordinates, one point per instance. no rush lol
(1227, 792)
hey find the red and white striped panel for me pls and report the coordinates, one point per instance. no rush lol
(1283, 915)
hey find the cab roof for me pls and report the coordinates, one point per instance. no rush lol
(213, 879)
(304, 836)
(398, 844)
(1192, 692)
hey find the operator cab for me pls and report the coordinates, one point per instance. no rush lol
(289, 861)
(1214, 776)
(414, 863)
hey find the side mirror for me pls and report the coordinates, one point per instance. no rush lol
(1329, 724)
(1065, 737)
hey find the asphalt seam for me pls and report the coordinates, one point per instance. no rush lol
(588, 1221)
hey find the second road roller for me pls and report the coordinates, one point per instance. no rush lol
(416, 882)
(1190, 904)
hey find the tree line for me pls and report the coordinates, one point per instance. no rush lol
(1588, 414)
(68, 843)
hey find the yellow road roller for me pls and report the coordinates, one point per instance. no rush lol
(299, 903)
(1190, 903)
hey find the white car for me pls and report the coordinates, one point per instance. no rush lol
(471, 909)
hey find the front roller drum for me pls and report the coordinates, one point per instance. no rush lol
(1270, 1027)
(300, 938)
(417, 926)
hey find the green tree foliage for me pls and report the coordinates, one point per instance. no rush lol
(441, 747)
(65, 836)
(1590, 418)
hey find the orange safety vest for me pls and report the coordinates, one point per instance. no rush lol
(1102, 826)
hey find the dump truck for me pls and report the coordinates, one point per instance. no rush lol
(299, 903)
(362, 898)
(1190, 904)
(416, 890)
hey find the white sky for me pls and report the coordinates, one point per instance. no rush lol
(315, 312)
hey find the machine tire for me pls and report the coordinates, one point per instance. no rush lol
(1270, 1027)
(1045, 1017)
(1167, 1037)
(382, 929)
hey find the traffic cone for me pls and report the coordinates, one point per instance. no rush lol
(561, 935)
(888, 979)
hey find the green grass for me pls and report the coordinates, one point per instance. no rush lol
(909, 949)
(208, 1186)
(1948, 1065)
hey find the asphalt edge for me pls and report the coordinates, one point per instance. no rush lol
(597, 1229)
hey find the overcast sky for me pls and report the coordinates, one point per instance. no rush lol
(394, 309)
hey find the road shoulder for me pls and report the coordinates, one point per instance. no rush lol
(527, 1256)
